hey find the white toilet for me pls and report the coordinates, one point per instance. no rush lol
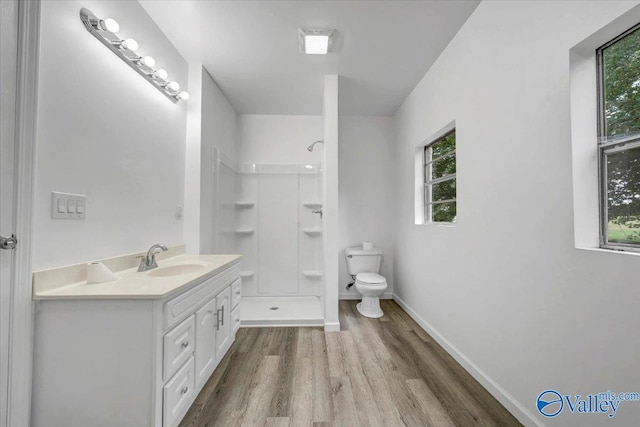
(364, 265)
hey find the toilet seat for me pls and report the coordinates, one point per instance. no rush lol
(371, 286)
(370, 278)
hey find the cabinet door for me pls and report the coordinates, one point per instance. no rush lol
(223, 334)
(206, 322)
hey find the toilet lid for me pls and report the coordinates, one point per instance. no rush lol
(370, 278)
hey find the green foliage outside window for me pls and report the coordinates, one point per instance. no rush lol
(621, 84)
(443, 157)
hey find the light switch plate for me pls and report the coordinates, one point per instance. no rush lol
(75, 200)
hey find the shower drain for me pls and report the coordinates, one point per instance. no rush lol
(274, 308)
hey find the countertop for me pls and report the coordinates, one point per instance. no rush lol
(134, 285)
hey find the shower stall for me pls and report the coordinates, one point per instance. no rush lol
(272, 215)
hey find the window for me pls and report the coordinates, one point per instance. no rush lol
(619, 140)
(440, 179)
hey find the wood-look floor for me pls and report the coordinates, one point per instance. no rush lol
(374, 372)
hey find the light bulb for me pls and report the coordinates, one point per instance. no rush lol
(130, 44)
(148, 61)
(161, 74)
(110, 24)
(173, 86)
(183, 95)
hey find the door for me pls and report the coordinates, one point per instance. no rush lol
(223, 334)
(8, 91)
(206, 324)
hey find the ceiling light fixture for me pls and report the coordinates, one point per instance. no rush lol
(315, 41)
(105, 31)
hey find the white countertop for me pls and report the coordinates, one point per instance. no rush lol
(134, 285)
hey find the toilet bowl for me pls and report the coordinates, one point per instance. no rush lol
(370, 286)
(364, 265)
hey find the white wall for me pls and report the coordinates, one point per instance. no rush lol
(105, 132)
(219, 126)
(505, 287)
(283, 140)
(330, 202)
(366, 191)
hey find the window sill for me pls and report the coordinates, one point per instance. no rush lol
(441, 224)
(610, 251)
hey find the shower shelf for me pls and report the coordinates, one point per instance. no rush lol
(312, 205)
(312, 231)
(242, 205)
(312, 274)
(246, 273)
(245, 232)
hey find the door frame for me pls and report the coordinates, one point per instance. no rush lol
(21, 320)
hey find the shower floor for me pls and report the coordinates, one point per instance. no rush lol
(291, 311)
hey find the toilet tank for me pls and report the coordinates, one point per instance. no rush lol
(361, 261)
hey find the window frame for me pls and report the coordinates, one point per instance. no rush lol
(427, 162)
(606, 147)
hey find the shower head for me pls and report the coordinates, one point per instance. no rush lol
(310, 148)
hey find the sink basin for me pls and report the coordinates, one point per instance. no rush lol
(175, 270)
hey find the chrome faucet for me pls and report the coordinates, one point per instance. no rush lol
(148, 261)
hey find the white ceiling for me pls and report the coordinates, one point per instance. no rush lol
(381, 49)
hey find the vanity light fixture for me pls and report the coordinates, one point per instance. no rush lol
(315, 41)
(105, 30)
(148, 61)
(130, 44)
(110, 24)
(161, 74)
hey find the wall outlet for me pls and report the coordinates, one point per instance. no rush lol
(68, 206)
(179, 212)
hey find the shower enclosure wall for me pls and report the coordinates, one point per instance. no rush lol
(271, 215)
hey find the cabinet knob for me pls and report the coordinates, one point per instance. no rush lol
(184, 390)
(185, 344)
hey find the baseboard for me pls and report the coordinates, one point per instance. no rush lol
(506, 399)
(358, 296)
(332, 327)
(281, 323)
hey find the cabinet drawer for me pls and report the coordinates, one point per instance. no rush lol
(178, 394)
(236, 293)
(187, 303)
(235, 319)
(178, 346)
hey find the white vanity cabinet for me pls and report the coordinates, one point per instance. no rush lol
(223, 335)
(206, 325)
(131, 361)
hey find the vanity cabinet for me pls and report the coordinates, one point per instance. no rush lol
(131, 361)
(206, 325)
(223, 335)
